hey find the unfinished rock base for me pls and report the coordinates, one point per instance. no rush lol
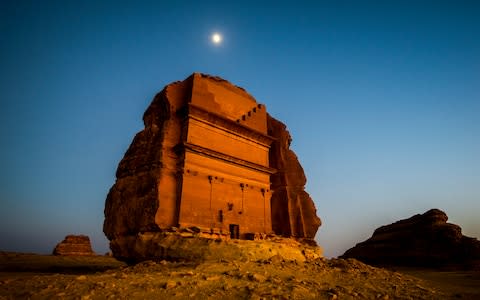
(199, 247)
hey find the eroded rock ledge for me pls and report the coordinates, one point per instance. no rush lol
(184, 244)
(425, 240)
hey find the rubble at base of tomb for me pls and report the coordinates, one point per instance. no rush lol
(185, 244)
(210, 157)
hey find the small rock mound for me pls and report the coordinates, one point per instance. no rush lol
(74, 245)
(425, 240)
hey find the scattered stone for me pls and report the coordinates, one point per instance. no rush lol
(195, 229)
(170, 284)
(257, 277)
(332, 296)
(212, 278)
(186, 229)
(276, 259)
(186, 234)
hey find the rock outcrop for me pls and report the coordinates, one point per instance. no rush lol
(74, 245)
(210, 158)
(425, 240)
(288, 184)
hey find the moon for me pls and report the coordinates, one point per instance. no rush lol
(216, 38)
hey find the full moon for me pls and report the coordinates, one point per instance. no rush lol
(216, 38)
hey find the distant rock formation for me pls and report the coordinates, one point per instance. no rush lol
(74, 245)
(211, 158)
(423, 240)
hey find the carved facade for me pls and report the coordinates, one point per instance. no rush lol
(224, 173)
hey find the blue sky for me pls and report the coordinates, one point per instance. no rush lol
(382, 99)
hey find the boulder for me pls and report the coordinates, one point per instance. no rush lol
(74, 245)
(425, 240)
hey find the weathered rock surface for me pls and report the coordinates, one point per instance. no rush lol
(210, 158)
(288, 184)
(185, 246)
(74, 245)
(422, 240)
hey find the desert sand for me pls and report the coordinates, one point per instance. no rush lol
(32, 276)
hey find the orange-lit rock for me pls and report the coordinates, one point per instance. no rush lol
(293, 211)
(205, 161)
(74, 245)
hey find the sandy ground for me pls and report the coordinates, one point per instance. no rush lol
(30, 276)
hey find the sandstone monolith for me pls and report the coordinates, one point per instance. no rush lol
(210, 162)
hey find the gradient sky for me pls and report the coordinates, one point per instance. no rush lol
(382, 99)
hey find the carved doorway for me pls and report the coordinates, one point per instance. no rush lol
(234, 231)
